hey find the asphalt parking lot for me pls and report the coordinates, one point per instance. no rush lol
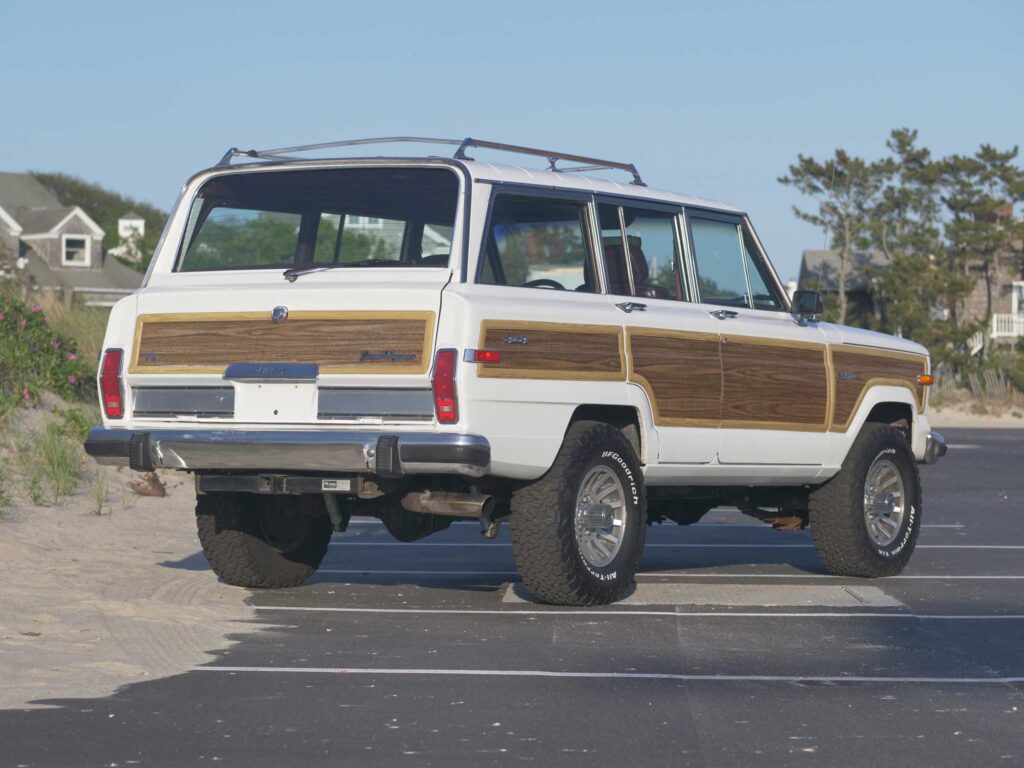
(735, 650)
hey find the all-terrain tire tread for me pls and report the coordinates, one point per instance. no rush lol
(541, 543)
(837, 515)
(238, 555)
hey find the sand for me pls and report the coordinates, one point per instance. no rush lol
(959, 416)
(89, 603)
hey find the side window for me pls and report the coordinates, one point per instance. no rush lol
(652, 251)
(763, 295)
(719, 259)
(537, 243)
(650, 236)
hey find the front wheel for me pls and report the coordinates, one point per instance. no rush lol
(263, 542)
(578, 532)
(865, 520)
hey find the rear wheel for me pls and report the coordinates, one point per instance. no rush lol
(866, 519)
(578, 532)
(264, 542)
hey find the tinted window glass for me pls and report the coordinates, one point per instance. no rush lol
(760, 286)
(611, 247)
(651, 239)
(719, 259)
(537, 243)
(284, 218)
(243, 237)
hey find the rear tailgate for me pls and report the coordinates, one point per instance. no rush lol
(348, 346)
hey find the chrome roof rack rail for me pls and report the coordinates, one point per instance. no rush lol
(588, 163)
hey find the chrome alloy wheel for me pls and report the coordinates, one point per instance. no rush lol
(600, 516)
(884, 502)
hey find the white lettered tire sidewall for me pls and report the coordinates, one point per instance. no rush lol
(631, 485)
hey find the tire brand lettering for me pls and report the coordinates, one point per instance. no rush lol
(628, 472)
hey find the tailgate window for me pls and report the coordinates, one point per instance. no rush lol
(349, 217)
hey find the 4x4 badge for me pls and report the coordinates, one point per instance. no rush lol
(516, 340)
(279, 314)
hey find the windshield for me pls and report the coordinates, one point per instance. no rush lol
(344, 217)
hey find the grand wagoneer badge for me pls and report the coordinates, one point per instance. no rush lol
(385, 356)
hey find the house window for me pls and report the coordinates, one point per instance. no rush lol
(76, 251)
(1017, 298)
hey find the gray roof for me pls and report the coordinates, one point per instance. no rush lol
(824, 266)
(131, 215)
(21, 190)
(36, 221)
(113, 274)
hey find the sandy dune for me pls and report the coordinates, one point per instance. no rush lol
(89, 603)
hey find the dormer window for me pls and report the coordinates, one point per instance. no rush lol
(76, 251)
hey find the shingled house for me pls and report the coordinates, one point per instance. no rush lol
(58, 247)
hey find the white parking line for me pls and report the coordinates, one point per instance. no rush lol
(614, 675)
(670, 614)
(493, 544)
(506, 574)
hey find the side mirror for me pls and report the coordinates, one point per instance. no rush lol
(807, 303)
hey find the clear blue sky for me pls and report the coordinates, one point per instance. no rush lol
(709, 98)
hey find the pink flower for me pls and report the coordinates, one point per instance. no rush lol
(25, 393)
(72, 357)
(1, 317)
(72, 379)
(56, 344)
(37, 308)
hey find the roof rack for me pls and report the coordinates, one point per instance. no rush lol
(589, 163)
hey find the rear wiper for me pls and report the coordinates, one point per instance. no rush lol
(292, 273)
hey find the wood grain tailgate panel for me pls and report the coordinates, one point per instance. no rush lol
(340, 342)
(857, 371)
(553, 351)
(774, 383)
(681, 374)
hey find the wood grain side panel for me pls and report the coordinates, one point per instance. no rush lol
(553, 351)
(681, 374)
(774, 385)
(857, 371)
(340, 342)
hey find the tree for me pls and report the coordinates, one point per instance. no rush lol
(918, 282)
(980, 193)
(846, 190)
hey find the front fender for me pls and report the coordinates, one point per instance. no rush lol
(840, 442)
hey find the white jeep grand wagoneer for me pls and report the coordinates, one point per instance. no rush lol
(426, 339)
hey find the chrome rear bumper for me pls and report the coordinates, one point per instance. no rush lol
(386, 454)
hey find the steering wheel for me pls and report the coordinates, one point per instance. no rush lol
(543, 282)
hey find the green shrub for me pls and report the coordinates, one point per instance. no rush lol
(35, 359)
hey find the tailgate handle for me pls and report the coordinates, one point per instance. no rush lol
(272, 372)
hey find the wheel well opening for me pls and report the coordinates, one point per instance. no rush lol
(899, 415)
(623, 417)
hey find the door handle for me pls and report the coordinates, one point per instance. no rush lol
(632, 306)
(724, 314)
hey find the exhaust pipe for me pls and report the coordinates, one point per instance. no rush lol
(452, 504)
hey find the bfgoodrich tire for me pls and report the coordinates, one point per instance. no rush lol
(262, 542)
(578, 532)
(866, 519)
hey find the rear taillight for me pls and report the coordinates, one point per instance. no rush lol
(445, 403)
(111, 391)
